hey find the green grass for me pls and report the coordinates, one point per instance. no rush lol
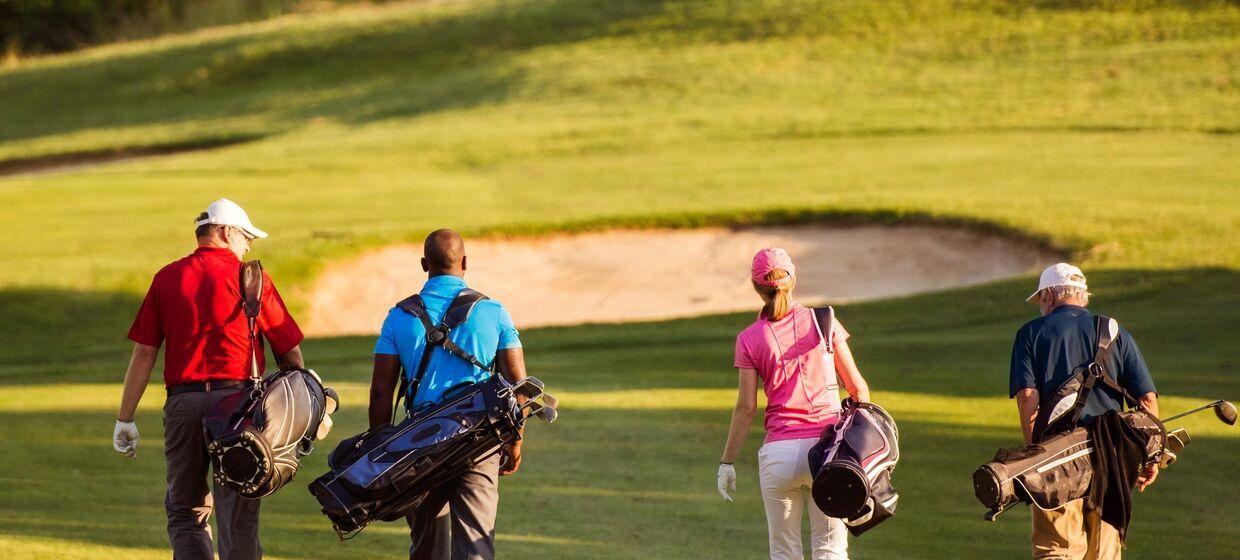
(1105, 129)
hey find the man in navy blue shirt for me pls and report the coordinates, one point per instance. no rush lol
(1048, 351)
(457, 521)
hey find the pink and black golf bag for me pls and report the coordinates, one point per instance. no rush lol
(852, 465)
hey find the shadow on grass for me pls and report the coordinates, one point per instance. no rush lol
(952, 343)
(355, 72)
(599, 484)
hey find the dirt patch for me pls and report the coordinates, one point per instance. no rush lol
(621, 276)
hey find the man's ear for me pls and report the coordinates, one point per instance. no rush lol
(464, 262)
(425, 268)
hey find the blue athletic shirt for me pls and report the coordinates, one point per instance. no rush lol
(1049, 349)
(488, 330)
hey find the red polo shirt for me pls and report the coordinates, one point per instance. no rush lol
(194, 305)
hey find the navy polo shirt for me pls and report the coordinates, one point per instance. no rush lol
(1049, 349)
(488, 329)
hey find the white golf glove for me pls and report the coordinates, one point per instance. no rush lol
(125, 438)
(726, 480)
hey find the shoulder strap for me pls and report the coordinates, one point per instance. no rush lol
(251, 284)
(1106, 331)
(824, 317)
(438, 335)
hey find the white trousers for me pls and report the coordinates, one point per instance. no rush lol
(783, 472)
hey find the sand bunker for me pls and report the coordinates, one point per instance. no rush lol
(620, 276)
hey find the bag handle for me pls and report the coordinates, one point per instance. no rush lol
(251, 282)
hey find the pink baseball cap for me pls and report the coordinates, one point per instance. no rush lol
(769, 259)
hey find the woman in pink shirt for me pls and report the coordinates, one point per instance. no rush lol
(785, 352)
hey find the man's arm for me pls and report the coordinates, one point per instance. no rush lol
(141, 363)
(1150, 402)
(382, 386)
(292, 358)
(511, 364)
(1027, 405)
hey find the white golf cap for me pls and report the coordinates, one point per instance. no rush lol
(1059, 274)
(225, 212)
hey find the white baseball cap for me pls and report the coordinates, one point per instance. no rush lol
(225, 212)
(1059, 274)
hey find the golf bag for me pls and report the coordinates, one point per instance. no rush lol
(258, 437)
(852, 465)
(1059, 467)
(385, 472)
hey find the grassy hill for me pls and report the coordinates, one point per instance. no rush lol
(1107, 129)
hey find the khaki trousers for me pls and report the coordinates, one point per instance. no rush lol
(457, 521)
(1073, 532)
(190, 501)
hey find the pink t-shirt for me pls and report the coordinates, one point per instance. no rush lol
(791, 359)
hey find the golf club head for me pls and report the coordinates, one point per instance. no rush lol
(1226, 412)
(549, 413)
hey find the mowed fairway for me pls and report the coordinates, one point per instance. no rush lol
(1107, 131)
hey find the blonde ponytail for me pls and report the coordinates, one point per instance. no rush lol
(777, 299)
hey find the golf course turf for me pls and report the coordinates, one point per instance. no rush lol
(1107, 130)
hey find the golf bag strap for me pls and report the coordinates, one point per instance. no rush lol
(1106, 330)
(438, 335)
(825, 319)
(251, 285)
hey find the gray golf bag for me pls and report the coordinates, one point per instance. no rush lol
(258, 437)
(1058, 468)
(385, 472)
(852, 465)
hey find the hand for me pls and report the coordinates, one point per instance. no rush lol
(726, 480)
(1148, 474)
(512, 459)
(125, 438)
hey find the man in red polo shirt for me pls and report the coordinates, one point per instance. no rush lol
(194, 309)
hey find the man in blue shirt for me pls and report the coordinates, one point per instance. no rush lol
(1047, 352)
(458, 521)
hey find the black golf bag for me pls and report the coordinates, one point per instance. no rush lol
(1058, 468)
(258, 437)
(384, 473)
(852, 465)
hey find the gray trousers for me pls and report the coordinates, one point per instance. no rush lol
(189, 501)
(457, 521)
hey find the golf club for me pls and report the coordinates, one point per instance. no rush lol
(1225, 411)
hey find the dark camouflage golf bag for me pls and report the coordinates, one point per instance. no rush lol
(1058, 467)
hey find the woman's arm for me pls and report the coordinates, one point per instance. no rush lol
(846, 368)
(742, 415)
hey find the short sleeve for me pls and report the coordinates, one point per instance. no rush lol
(146, 328)
(509, 337)
(277, 326)
(386, 344)
(838, 332)
(1133, 374)
(1022, 376)
(742, 358)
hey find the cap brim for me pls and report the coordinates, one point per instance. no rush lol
(1034, 294)
(255, 232)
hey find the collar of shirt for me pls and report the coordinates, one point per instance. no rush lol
(444, 285)
(217, 252)
(1068, 308)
